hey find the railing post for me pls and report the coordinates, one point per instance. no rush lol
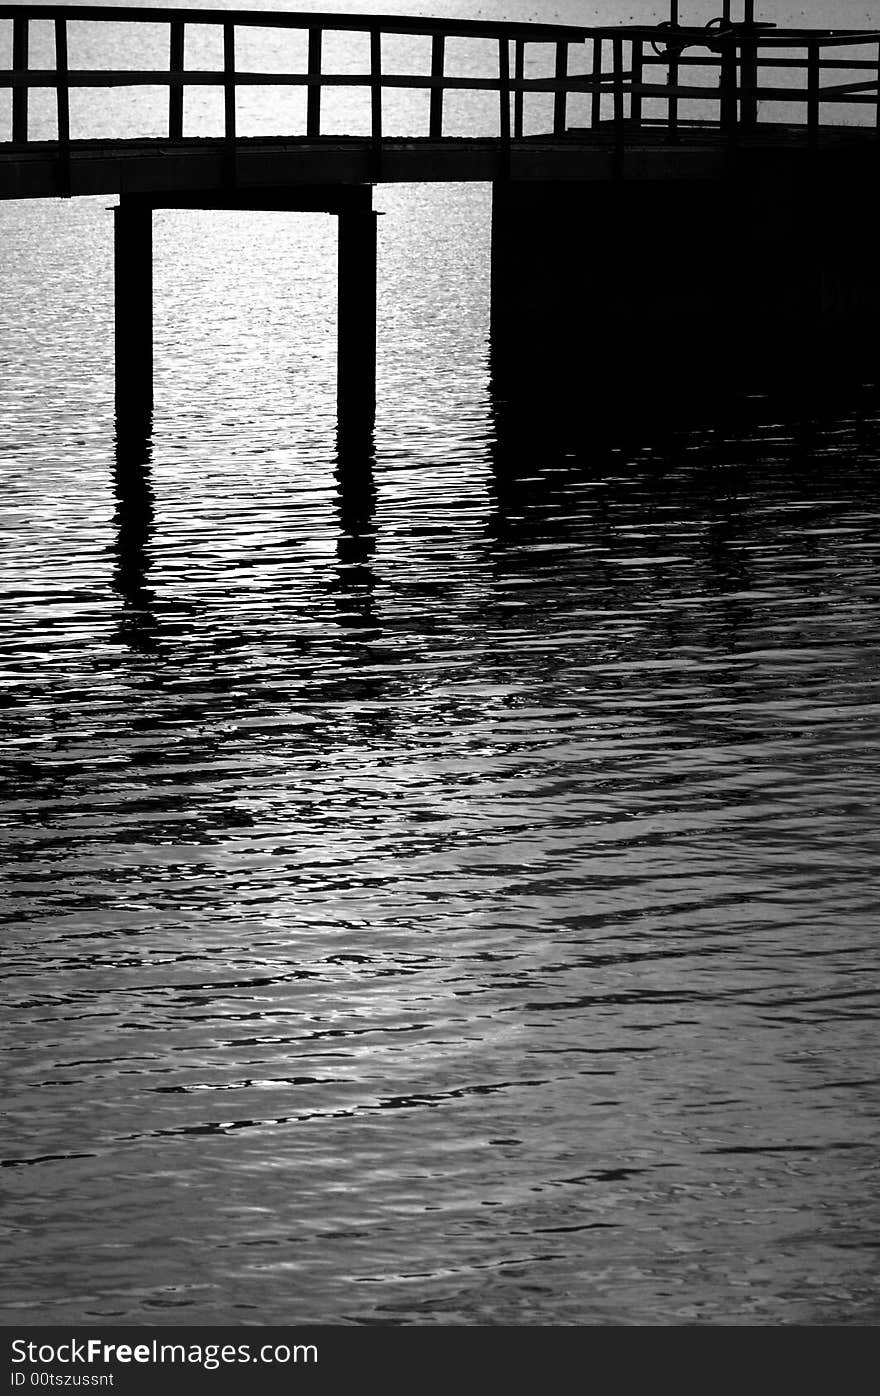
(376, 97)
(635, 100)
(175, 93)
(504, 104)
(229, 79)
(229, 98)
(519, 72)
(748, 66)
(728, 88)
(878, 90)
(596, 101)
(813, 93)
(617, 79)
(20, 94)
(748, 69)
(62, 101)
(313, 100)
(617, 83)
(672, 82)
(559, 99)
(438, 59)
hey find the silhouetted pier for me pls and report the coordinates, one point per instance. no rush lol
(655, 189)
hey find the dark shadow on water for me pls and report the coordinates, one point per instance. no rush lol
(625, 405)
(586, 475)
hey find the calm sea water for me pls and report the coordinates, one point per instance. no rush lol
(449, 901)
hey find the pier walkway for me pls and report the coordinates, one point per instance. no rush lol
(569, 103)
(535, 109)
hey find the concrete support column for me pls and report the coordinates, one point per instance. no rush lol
(133, 266)
(356, 364)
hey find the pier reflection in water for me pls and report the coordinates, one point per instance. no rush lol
(441, 881)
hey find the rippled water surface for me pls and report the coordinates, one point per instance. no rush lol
(440, 888)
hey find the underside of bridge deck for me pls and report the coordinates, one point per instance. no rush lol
(198, 166)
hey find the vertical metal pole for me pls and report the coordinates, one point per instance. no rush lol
(559, 99)
(356, 323)
(20, 94)
(438, 59)
(133, 272)
(313, 100)
(175, 93)
(878, 89)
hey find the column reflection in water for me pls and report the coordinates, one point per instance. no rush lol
(360, 679)
(133, 522)
(356, 503)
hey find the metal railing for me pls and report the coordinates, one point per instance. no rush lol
(618, 71)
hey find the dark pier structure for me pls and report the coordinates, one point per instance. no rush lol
(668, 201)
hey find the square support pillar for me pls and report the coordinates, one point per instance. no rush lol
(356, 363)
(133, 268)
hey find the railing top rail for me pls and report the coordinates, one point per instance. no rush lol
(702, 34)
(403, 24)
(300, 19)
